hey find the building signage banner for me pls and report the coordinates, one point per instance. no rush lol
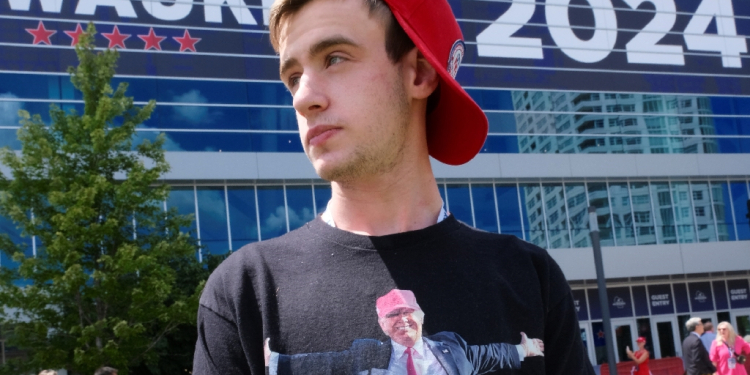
(579, 299)
(660, 299)
(701, 298)
(620, 305)
(720, 295)
(681, 298)
(738, 293)
(666, 46)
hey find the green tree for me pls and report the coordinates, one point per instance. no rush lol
(101, 289)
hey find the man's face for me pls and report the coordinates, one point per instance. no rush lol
(699, 329)
(351, 104)
(403, 325)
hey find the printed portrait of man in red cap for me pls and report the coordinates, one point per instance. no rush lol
(408, 353)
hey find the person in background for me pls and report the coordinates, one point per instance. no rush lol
(640, 357)
(694, 354)
(728, 351)
(106, 371)
(747, 363)
(708, 336)
(48, 372)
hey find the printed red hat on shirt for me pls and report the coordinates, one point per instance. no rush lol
(396, 299)
(456, 126)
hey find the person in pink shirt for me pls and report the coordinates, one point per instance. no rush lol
(728, 351)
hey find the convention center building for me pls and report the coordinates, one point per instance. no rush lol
(639, 108)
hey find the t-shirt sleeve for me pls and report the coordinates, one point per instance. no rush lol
(564, 351)
(217, 351)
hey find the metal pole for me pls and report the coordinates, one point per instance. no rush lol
(603, 299)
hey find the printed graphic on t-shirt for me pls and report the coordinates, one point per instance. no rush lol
(407, 352)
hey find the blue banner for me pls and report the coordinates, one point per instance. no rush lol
(660, 299)
(701, 297)
(666, 46)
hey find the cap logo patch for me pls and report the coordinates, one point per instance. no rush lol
(455, 57)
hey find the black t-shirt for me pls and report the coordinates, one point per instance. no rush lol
(314, 290)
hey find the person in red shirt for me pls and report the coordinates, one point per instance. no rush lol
(640, 357)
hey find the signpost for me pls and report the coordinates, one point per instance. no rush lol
(603, 300)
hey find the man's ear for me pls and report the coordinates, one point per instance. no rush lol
(422, 77)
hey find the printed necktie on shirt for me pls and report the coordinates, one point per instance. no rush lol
(410, 370)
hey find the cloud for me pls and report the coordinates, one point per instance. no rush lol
(194, 115)
(9, 109)
(276, 219)
(169, 143)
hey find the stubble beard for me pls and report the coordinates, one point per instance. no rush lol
(376, 158)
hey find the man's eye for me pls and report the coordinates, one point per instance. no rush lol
(293, 81)
(334, 60)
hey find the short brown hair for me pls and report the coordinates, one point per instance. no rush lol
(397, 42)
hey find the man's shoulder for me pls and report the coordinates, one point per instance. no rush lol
(500, 241)
(245, 265)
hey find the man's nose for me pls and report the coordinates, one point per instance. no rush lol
(309, 97)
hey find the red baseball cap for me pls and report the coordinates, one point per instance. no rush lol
(396, 299)
(456, 126)
(640, 339)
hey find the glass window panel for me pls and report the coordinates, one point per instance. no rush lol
(723, 211)
(183, 199)
(300, 205)
(598, 198)
(622, 214)
(459, 203)
(557, 218)
(507, 208)
(739, 201)
(272, 211)
(194, 91)
(32, 86)
(643, 218)
(578, 214)
(322, 196)
(140, 89)
(484, 207)
(703, 211)
(212, 213)
(8, 227)
(533, 216)
(661, 199)
(683, 211)
(242, 216)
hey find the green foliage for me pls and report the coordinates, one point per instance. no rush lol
(101, 289)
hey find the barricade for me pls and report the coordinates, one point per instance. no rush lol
(663, 366)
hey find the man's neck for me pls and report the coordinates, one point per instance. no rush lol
(401, 200)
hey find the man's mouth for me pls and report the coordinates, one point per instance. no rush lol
(321, 133)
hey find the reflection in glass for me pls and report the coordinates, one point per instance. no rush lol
(508, 210)
(9, 228)
(533, 214)
(683, 212)
(183, 200)
(459, 203)
(554, 206)
(640, 201)
(272, 212)
(299, 205)
(622, 214)
(484, 207)
(663, 213)
(703, 211)
(242, 216)
(322, 196)
(212, 214)
(575, 195)
(598, 198)
(722, 211)
(739, 201)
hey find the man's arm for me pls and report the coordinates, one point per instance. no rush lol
(364, 354)
(218, 350)
(564, 351)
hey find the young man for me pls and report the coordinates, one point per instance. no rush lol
(374, 90)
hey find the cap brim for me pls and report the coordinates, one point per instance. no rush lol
(456, 127)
